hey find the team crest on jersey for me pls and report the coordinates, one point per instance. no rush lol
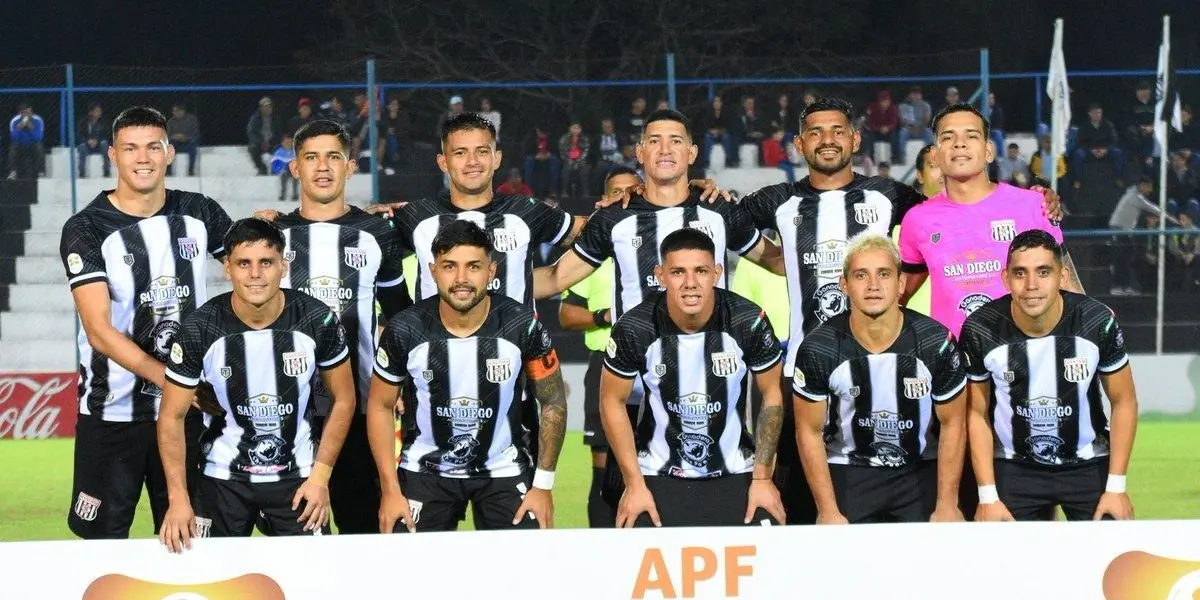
(972, 303)
(935, 238)
(660, 369)
(916, 388)
(427, 375)
(854, 391)
(289, 255)
(86, 507)
(355, 258)
(265, 453)
(163, 334)
(505, 240)
(831, 302)
(295, 364)
(702, 226)
(188, 248)
(1004, 230)
(866, 214)
(499, 370)
(636, 242)
(1009, 376)
(128, 260)
(694, 448)
(724, 364)
(226, 372)
(1075, 370)
(797, 220)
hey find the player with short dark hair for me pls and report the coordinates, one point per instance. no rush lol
(693, 462)
(350, 260)
(464, 358)
(135, 260)
(259, 347)
(871, 388)
(1037, 359)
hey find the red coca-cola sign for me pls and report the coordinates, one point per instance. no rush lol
(35, 406)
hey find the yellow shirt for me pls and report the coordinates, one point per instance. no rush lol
(766, 289)
(921, 300)
(597, 289)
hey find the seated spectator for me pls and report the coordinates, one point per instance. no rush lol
(608, 151)
(183, 129)
(1012, 168)
(1044, 166)
(304, 116)
(952, 97)
(861, 163)
(747, 128)
(915, 117)
(785, 118)
(884, 170)
(574, 148)
(1143, 147)
(808, 98)
(285, 154)
(541, 164)
(334, 110)
(264, 133)
(662, 104)
(883, 119)
(1141, 110)
(715, 122)
(489, 112)
(358, 130)
(996, 120)
(94, 134)
(1181, 180)
(1126, 217)
(1183, 247)
(514, 185)
(631, 126)
(455, 109)
(774, 154)
(629, 159)
(395, 136)
(1098, 137)
(1188, 140)
(26, 155)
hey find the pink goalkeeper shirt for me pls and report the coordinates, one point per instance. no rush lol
(965, 247)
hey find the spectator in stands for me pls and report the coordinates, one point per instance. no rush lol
(1183, 247)
(1143, 147)
(304, 116)
(1188, 140)
(574, 148)
(284, 154)
(1125, 217)
(915, 116)
(631, 126)
(785, 118)
(951, 98)
(455, 109)
(861, 163)
(264, 133)
(94, 134)
(1098, 137)
(716, 131)
(747, 128)
(514, 185)
(358, 130)
(1043, 166)
(996, 120)
(883, 120)
(608, 150)
(1146, 262)
(884, 170)
(334, 110)
(183, 129)
(541, 164)
(489, 112)
(662, 104)
(1141, 108)
(1181, 180)
(629, 159)
(26, 155)
(774, 153)
(1012, 168)
(395, 135)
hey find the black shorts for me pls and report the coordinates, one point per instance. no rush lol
(439, 503)
(113, 462)
(885, 494)
(720, 501)
(354, 484)
(613, 483)
(593, 427)
(231, 508)
(1032, 491)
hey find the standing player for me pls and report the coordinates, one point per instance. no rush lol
(692, 346)
(348, 259)
(135, 260)
(259, 347)
(1037, 359)
(869, 385)
(962, 233)
(464, 358)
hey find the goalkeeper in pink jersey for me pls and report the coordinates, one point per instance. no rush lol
(961, 235)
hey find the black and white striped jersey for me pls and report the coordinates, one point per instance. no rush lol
(632, 237)
(262, 379)
(518, 225)
(1046, 406)
(348, 263)
(155, 270)
(814, 226)
(881, 406)
(692, 425)
(463, 395)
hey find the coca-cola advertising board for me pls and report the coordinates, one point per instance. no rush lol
(36, 406)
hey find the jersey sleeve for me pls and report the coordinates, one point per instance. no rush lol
(391, 356)
(573, 298)
(595, 241)
(81, 254)
(331, 341)
(550, 225)
(742, 233)
(402, 223)
(761, 205)
(760, 347)
(535, 341)
(949, 375)
(390, 288)
(906, 197)
(1113, 356)
(185, 364)
(971, 347)
(620, 355)
(911, 258)
(217, 223)
(810, 375)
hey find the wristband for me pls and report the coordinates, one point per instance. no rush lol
(543, 480)
(1115, 485)
(988, 495)
(598, 318)
(320, 473)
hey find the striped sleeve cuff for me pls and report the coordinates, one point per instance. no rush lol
(384, 375)
(952, 393)
(810, 396)
(750, 246)
(568, 220)
(1117, 366)
(588, 258)
(768, 364)
(79, 280)
(979, 377)
(393, 283)
(180, 380)
(619, 372)
(335, 361)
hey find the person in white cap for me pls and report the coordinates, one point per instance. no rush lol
(456, 108)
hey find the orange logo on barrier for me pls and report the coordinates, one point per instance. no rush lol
(253, 585)
(1144, 576)
(697, 564)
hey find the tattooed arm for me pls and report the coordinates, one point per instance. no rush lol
(551, 395)
(763, 493)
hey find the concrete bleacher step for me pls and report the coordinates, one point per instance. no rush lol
(37, 326)
(42, 242)
(40, 269)
(230, 160)
(49, 355)
(33, 297)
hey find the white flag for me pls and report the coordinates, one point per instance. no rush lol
(1059, 93)
(1167, 105)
